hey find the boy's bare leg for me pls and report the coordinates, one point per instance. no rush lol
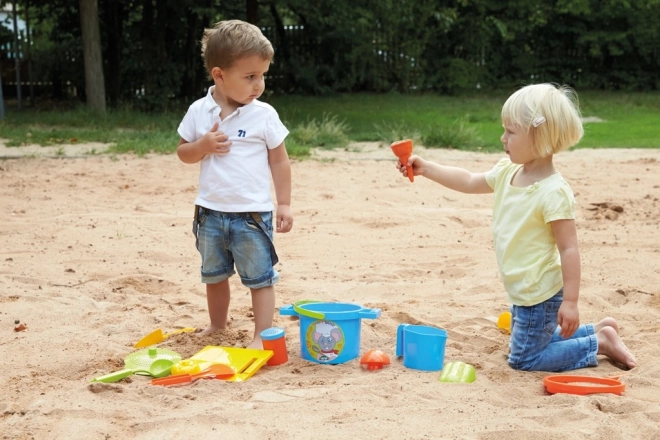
(263, 307)
(217, 298)
(607, 322)
(611, 345)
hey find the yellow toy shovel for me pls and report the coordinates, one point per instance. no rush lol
(157, 336)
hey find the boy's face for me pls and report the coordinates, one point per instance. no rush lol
(243, 82)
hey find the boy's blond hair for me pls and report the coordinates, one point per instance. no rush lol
(549, 112)
(231, 40)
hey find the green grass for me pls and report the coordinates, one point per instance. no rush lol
(391, 117)
(128, 130)
(466, 122)
(630, 119)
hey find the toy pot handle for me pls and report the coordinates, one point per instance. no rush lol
(308, 313)
(295, 309)
(399, 338)
(287, 310)
(369, 313)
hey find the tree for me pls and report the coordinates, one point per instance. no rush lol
(91, 39)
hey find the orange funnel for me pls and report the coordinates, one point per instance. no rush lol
(403, 150)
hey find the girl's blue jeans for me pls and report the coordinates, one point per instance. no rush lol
(536, 345)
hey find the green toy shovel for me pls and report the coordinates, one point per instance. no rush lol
(156, 362)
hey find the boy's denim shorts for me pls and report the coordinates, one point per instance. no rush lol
(225, 239)
(537, 346)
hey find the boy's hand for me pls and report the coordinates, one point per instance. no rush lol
(215, 142)
(568, 318)
(283, 218)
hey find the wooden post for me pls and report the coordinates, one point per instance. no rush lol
(2, 102)
(17, 56)
(252, 9)
(28, 42)
(91, 38)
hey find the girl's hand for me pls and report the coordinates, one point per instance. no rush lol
(415, 162)
(568, 318)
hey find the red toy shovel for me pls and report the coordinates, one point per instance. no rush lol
(403, 150)
(215, 371)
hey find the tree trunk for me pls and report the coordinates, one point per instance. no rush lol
(17, 57)
(252, 11)
(112, 16)
(28, 51)
(91, 39)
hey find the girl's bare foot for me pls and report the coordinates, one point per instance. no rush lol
(611, 345)
(208, 330)
(607, 322)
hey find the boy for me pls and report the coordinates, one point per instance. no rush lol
(239, 143)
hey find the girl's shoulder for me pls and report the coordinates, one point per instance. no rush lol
(503, 169)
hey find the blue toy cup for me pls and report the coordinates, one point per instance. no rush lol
(422, 347)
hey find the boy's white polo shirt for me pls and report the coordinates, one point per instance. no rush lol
(238, 181)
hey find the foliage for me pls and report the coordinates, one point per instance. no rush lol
(327, 133)
(456, 135)
(388, 133)
(152, 60)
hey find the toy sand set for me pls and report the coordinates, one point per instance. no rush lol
(96, 254)
(329, 334)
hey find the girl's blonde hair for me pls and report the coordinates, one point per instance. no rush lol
(231, 40)
(549, 112)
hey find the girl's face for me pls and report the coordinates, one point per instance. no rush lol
(517, 144)
(244, 81)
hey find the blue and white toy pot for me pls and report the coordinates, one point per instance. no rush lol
(329, 332)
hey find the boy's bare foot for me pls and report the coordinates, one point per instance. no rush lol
(208, 330)
(611, 345)
(607, 322)
(256, 344)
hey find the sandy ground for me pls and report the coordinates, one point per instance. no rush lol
(96, 252)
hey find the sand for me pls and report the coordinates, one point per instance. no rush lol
(96, 252)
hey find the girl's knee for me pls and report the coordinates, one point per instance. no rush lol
(520, 366)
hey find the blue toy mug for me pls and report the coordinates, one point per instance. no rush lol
(422, 347)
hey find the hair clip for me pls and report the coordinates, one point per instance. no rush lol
(538, 121)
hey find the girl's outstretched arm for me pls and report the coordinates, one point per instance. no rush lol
(458, 179)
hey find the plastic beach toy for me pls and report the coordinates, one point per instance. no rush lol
(304, 312)
(156, 362)
(214, 371)
(245, 362)
(422, 346)
(273, 339)
(504, 322)
(329, 332)
(403, 150)
(458, 372)
(157, 336)
(374, 360)
(581, 385)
